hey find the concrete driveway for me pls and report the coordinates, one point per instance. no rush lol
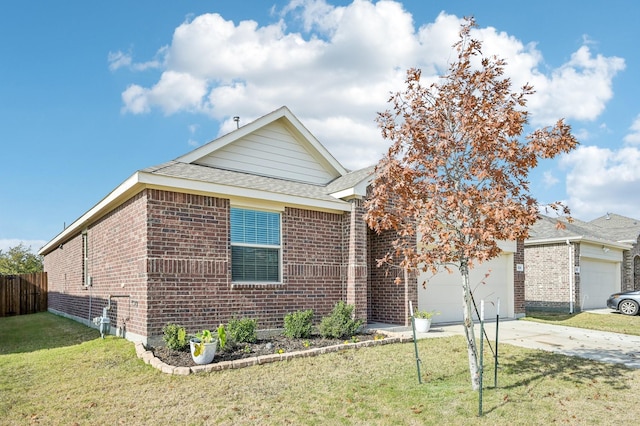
(596, 345)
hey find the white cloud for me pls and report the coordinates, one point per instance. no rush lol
(549, 179)
(601, 180)
(118, 60)
(578, 90)
(34, 245)
(336, 76)
(633, 137)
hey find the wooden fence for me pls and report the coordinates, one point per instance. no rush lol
(23, 294)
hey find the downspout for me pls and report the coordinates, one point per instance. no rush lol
(571, 277)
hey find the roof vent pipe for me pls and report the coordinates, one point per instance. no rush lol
(237, 120)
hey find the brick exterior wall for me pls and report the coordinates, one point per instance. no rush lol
(631, 268)
(116, 251)
(519, 295)
(190, 278)
(547, 276)
(388, 301)
(355, 234)
(165, 257)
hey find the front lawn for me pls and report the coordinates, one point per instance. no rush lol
(613, 322)
(61, 372)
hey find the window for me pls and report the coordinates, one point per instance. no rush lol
(255, 246)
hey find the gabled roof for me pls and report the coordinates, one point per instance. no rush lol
(273, 159)
(546, 231)
(617, 227)
(275, 145)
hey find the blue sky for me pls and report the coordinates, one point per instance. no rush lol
(90, 92)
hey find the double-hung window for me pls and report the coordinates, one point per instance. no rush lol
(255, 246)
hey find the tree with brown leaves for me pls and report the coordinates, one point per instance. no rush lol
(455, 179)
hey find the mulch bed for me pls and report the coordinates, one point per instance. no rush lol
(272, 345)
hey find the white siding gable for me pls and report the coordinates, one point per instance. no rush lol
(273, 151)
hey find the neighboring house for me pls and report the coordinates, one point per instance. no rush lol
(577, 267)
(258, 223)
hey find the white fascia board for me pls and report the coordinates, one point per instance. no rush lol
(358, 190)
(237, 192)
(125, 190)
(576, 239)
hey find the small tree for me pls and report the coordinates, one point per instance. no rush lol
(19, 260)
(455, 179)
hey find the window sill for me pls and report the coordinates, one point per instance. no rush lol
(256, 286)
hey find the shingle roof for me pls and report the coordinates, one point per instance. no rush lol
(177, 169)
(546, 229)
(350, 180)
(616, 227)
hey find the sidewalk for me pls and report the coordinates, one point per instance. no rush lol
(590, 344)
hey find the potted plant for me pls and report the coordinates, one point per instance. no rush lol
(422, 320)
(203, 347)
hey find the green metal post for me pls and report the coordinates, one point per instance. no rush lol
(480, 367)
(495, 367)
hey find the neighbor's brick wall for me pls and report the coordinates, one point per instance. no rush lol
(116, 249)
(547, 276)
(518, 280)
(631, 268)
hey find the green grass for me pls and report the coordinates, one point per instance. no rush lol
(613, 322)
(61, 372)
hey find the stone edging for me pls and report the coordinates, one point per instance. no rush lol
(148, 357)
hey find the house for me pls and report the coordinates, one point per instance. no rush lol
(578, 266)
(258, 223)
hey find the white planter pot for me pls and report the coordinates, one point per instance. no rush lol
(422, 325)
(207, 354)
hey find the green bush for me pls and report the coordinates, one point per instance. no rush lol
(242, 330)
(340, 323)
(175, 336)
(298, 324)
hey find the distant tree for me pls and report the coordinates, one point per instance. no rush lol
(455, 180)
(19, 260)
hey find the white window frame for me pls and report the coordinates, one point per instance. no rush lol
(258, 246)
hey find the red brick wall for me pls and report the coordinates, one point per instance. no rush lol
(116, 251)
(189, 265)
(387, 300)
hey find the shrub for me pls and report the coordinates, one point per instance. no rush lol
(298, 324)
(340, 323)
(242, 330)
(175, 336)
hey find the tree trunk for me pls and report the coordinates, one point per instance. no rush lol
(472, 348)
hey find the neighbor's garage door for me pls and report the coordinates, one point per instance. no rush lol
(444, 291)
(598, 281)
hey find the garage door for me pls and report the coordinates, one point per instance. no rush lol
(598, 280)
(443, 291)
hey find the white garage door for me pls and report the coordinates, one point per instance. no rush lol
(598, 280)
(443, 291)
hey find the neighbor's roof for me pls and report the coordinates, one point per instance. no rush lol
(547, 231)
(617, 227)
